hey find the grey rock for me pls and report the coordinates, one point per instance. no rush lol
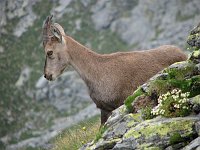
(197, 127)
(127, 144)
(24, 23)
(154, 133)
(85, 2)
(116, 115)
(24, 76)
(1, 49)
(41, 83)
(147, 24)
(105, 12)
(61, 8)
(193, 145)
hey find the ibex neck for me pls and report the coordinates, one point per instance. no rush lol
(83, 60)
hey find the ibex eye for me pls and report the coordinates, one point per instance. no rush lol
(49, 53)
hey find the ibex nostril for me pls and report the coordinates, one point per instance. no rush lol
(45, 75)
(50, 77)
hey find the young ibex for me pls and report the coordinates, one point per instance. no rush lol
(110, 77)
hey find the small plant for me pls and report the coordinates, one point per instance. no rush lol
(100, 133)
(175, 138)
(146, 113)
(130, 99)
(173, 104)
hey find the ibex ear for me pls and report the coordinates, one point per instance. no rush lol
(55, 31)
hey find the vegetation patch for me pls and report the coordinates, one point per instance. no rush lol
(100, 133)
(75, 137)
(130, 99)
(147, 113)
(175, 138)
(172, 104)
(184, 69)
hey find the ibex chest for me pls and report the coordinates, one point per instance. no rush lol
(105, 96)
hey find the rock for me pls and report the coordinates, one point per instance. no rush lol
(24, 23)
(85, 2)
(197, 127)
(155, 133)
(195, 144)
(24, 76)
(1, 49)
(156, 19)
(20, 10)
(41, 83)
(127, 144)
(61, 8)
(105, 12)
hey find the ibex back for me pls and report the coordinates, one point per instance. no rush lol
(110, 78)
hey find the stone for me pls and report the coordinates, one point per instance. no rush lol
(41, 83)
(193, 145)
(24, 23)
(127, 144)
(24, 76)
(1, 49)
(197, 127)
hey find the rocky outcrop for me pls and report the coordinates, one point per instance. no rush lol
(163, 21)
(21, 11)
(127, 128)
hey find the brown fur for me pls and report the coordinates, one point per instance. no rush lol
(110, 78)
(113, 77)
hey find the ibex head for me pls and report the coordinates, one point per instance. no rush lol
(54, 46)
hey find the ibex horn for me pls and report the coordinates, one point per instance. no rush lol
(46, 29)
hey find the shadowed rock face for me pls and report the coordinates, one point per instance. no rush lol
(125, 130)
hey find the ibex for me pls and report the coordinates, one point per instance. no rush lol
(110, 78)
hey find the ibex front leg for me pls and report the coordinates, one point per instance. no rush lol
(104, 116)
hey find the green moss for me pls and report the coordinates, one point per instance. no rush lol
(191, 85)
(182, 17)
(196, 53)
(159, 86)
(136, 118)
(130, 99)
(175, 138)
(148, 129)
(180, 73)
(196, 99)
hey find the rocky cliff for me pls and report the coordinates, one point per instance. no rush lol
(164, 113)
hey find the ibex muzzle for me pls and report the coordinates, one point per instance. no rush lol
(54, 45)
